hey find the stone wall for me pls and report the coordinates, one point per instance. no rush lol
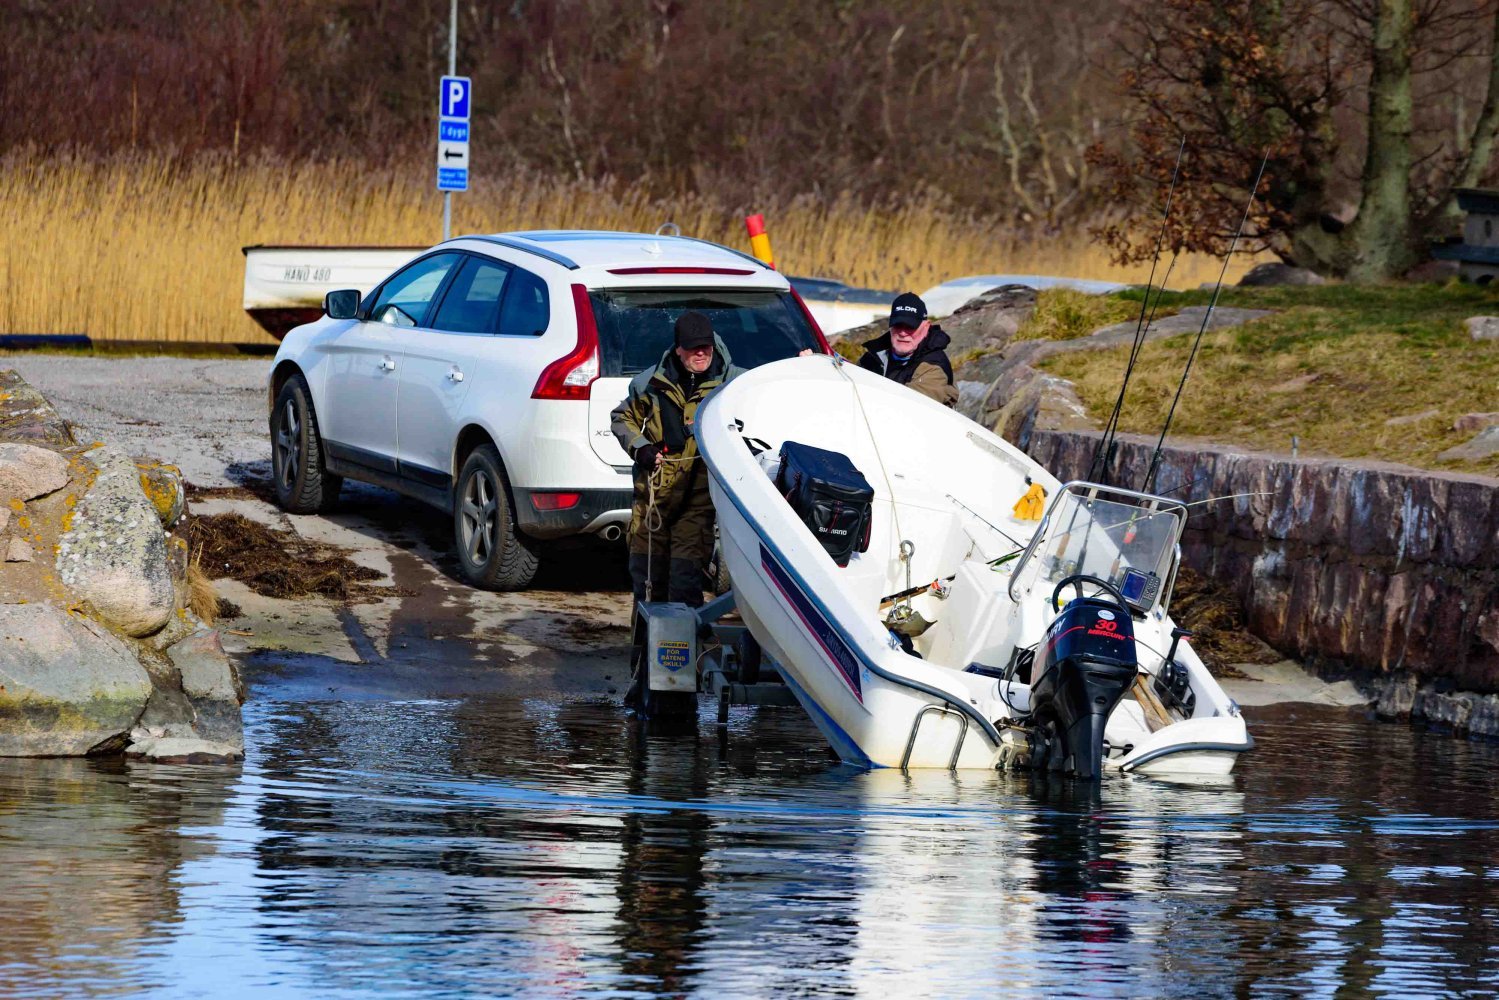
(1352, 567)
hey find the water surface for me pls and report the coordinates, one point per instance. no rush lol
(493, 846)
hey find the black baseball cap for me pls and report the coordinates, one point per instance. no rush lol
(694, 330)
(907, 310)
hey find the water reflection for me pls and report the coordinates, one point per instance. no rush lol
(89, 857)
(495, 847)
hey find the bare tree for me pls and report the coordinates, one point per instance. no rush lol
(1321, 85)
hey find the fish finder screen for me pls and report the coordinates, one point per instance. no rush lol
(1140, 589)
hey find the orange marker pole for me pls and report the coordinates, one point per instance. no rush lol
(759, 239)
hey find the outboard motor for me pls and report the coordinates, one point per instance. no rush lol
(1089, 664)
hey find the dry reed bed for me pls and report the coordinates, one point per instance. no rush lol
(148, 248)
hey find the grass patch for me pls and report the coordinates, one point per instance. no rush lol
(1331, 367)
(1066, 314)
(148, 248)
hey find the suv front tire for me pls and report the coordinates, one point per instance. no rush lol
(492, 554)
(303, 484)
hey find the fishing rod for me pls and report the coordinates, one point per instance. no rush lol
(1098, 468)
(1207, 317)
(981, 517)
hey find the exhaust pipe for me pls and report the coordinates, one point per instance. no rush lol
(611, 532)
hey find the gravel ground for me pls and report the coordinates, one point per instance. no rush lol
(205, 415)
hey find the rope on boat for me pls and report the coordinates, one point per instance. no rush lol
(907, 547)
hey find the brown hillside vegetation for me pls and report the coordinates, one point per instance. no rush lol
(986, 105)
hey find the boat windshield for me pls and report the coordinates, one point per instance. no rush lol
(1132, 547)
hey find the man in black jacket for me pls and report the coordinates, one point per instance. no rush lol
(913, 351)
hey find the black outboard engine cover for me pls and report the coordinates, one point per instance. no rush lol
(1089, 664)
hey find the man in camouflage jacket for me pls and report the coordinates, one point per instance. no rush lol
(671, 519)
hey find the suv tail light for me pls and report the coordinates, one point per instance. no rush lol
(570, 375)
(555, 501)
(822, 341)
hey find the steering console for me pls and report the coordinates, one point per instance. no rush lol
(1077, 580)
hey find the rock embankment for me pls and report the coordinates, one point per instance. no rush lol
(99, 649)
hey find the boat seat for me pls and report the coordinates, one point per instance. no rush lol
(974, 626)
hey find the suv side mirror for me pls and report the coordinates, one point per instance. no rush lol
(342, 304)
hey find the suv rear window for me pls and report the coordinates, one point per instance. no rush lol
(757, 327)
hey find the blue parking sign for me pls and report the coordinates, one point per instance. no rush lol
(452, 97)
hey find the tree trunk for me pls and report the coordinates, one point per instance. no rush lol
(1381, 241)
(1481, 145)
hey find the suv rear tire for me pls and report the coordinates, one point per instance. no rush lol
(492, 554)
(298, 471)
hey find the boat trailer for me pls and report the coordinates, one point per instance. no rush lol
(678, 652)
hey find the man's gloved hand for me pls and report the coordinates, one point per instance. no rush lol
(646, 456)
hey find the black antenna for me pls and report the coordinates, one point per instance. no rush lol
(1099, 466)
(1155, 458)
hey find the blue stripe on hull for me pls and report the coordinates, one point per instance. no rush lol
(831, 642)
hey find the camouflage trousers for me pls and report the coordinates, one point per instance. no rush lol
(675, 555)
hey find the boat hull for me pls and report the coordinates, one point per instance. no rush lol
(824, 624)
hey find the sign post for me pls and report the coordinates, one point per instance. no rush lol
(453, 95)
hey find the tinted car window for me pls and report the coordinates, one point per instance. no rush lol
(472, 302)
(636, 327)
(527, 310)
(404, 298)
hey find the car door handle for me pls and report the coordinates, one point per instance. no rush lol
(455, 375)
(387, 365)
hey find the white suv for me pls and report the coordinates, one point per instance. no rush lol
(480, 377)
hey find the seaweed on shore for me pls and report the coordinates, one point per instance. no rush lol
(274, 563)
(1214, 615)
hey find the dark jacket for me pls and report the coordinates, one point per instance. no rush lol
(927, 370)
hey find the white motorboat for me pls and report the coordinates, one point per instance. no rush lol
(1046, 643)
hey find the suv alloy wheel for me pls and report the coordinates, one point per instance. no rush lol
(303, 484)
(491, 553)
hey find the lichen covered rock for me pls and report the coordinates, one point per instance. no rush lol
(67, 686)
(162, 485)
(113, 554)
(26, 415)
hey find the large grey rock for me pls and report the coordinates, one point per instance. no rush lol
(67, 686)
(1271, 274)
(1485, 445)
(26, 415)
(212, 686)
(1483, 327)
(182, 749)
(114, 555)
(1189, 320)
(989, 322)
(27, 472)
(1397, 697)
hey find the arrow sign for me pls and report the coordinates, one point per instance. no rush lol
(452, 154)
